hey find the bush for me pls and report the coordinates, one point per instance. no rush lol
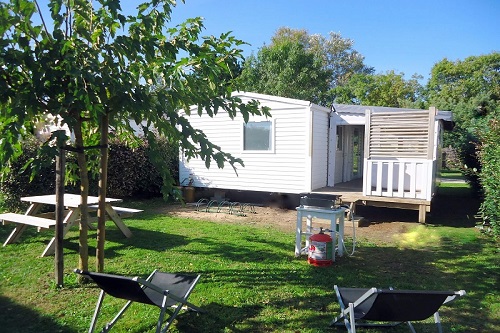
(464, 145)
(17, 183)
(489, 155)
(130, 173)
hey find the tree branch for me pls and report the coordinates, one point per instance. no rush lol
(43, 21)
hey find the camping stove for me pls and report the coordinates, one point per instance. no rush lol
(320, 200)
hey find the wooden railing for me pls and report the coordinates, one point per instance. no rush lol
(400, 178)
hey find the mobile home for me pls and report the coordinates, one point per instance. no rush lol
(387, 156)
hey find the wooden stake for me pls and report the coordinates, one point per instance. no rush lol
(101, 211)
(59, 250)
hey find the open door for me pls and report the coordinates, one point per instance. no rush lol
(349, 153)
(357, 147)
(339, 156)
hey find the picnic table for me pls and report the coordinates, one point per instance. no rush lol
(72, 217)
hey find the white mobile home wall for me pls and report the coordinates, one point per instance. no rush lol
(298, 161)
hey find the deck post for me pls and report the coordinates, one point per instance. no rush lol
(422, 212)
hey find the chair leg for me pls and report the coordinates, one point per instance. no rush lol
(343, 312)
(115, 319)
(410, 325)
(96, 311)
(162, 314)
(351, 319)
(437, 320)
(192, 307)
(171, 319)
(109, 325)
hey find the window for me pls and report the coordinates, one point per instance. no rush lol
(257, 135)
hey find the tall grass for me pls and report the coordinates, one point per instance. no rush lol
(251, 281)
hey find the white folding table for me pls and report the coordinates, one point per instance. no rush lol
(336, 218)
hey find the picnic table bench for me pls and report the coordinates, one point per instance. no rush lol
(121, 211)
(40, 222)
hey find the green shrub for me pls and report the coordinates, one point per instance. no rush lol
(489, 155)
(17, 184)
(130, 173)
(464, 144)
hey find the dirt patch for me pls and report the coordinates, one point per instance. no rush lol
(378, 231)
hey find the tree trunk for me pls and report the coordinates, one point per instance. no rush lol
(103, 180)
(83, 262)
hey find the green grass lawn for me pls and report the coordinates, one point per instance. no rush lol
(251, 281)
(451, 174)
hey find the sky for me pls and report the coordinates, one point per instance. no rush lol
(407, 36)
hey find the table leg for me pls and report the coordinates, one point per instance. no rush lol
(69, 221)
(33, 209)
(298, 235)
(333, 234)
(118, 221)
(308, 231)
(15, 234)
(341, 232)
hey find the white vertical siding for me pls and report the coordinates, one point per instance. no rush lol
(320, 147)
(284, 169)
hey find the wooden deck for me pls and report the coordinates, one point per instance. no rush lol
(352, 194)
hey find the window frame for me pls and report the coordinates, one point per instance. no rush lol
(272, 140)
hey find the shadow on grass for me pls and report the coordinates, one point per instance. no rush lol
(242, 252)
(21, 319)
(380, 267)
(217, 318)
(152, 240)
(454, 211)
(455, 207)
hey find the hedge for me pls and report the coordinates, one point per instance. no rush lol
(489, 156)
(17, 184)
(131, 174)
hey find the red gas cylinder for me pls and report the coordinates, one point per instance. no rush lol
(320, 249)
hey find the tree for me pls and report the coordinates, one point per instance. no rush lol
(389, 89)
(98, 70)
(285, 69)
(336, 53)
(299, 65)
(471, 88)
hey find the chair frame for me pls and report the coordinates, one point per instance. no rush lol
(347, 314)
(181, 301)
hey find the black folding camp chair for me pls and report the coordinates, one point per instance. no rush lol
(164, 290)
(359, 305)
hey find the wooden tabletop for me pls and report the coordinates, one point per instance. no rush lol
(70, 200)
